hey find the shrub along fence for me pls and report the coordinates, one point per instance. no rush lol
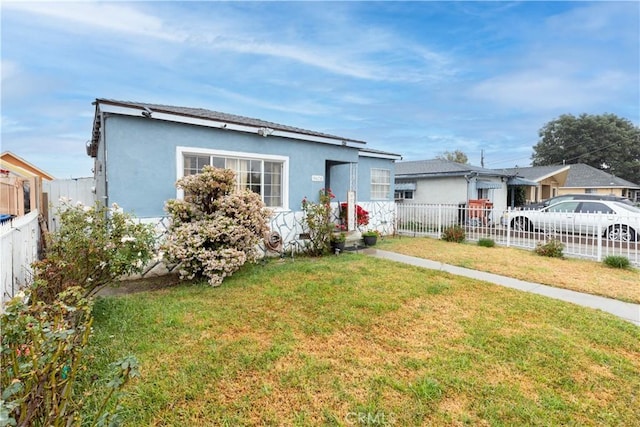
(591, 242)
(19, 242)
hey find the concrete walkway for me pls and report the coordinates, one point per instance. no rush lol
(625, 310)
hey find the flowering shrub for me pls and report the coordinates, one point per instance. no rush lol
(45, 331)
(94, 247)
(318, 223)
(214, 230)
(43, 351)
(362, 216)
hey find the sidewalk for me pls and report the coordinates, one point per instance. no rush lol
(625, 310)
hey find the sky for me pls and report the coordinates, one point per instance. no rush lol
(412, 78)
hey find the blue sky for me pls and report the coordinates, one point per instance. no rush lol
(413, 78)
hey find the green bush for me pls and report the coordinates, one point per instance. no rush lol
(617, 261)
(46, 330)
(93, 247)
(44, 350)
(318, 223)
(486, 242)
(454, 233)
(553, 249)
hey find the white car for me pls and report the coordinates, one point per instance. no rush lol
(615, 220)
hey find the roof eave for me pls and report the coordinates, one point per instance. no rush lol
(115, 107)
(379, 155)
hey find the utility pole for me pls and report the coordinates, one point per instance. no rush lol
(482, 158)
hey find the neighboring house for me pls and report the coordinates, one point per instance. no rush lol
(440, 181)
(587, 179)
(546, 181)
(570, 179)
(21, 186)
(140, 150)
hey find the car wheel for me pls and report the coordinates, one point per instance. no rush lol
(621, 233)
(521, 224)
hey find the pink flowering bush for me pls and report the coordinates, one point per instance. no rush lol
(214, 230)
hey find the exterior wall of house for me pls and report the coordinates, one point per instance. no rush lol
(141, 168)
(451, 190)
(456, 190)
(365, 167)
(580, 190)
(497, 196)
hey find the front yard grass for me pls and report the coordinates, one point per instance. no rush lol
(354, 340)
(579, 275)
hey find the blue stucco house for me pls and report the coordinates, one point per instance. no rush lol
(141, 149)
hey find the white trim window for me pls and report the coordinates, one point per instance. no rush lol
(380, 184)
(403, 195)
(266, 175)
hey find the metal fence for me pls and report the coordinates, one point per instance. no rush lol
(592, 242)
(19, 240)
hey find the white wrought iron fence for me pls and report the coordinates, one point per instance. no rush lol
(583, 235)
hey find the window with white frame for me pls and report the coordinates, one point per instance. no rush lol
(262, 174)
(380, 183)
(403, 194)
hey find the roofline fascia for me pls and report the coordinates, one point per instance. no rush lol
(44, 175)
(389, 156)
(447, 174)
(632, 187)
(429, 175)
(134, 111)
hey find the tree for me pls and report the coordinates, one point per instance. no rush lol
(603, 141)
(456, 156)
(215, 229)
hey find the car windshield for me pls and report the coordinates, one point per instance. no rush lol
(569, 206)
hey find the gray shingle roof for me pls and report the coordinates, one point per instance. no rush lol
(441, 167)
(534, 173)
(581, 175)
(202, 113)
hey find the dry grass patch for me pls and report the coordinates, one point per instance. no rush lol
(575, 274)
(340, 340)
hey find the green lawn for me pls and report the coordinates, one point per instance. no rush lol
(353, 340)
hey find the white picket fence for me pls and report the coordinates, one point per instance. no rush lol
(19, 242)
(431, 220)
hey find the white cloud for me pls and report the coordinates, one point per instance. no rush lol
(9, 125)
(8, 70)
(544, 89)
(372, 53)
(115, 17)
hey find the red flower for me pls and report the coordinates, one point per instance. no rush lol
(362, 216)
